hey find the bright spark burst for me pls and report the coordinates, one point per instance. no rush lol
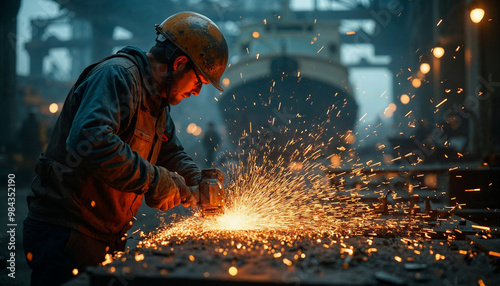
(274, 203)
(269, 195)
(279, 217)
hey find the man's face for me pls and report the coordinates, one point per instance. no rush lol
(187, 80)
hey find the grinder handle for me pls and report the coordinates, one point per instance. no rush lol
(189, 196)
(195, 191)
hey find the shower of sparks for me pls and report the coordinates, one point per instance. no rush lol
(273, 197)
(266, 195)
(284, 215)
(299, 204)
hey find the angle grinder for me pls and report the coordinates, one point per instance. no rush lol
(209, 194)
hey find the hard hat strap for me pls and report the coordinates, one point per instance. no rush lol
(168, 82)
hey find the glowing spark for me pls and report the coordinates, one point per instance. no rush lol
(139, 257)
(473, 190)
(439, 104)
(493, 253)
(439, 257)
(481, 227)
(107, 259)
(347, 250)
(75, 271)
(363, 116)
(287, 262)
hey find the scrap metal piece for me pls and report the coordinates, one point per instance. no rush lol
(389, 278)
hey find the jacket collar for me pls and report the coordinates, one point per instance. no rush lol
(153, 100)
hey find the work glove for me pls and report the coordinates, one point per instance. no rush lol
(170, 190)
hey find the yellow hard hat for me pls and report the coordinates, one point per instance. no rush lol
(201, 40)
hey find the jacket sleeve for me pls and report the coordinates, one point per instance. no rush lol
(109, 97)
(174, 158)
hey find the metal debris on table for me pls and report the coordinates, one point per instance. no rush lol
(291, 257)
(287, 226)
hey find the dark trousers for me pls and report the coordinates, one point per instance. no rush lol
(55, 252)
(44, 248)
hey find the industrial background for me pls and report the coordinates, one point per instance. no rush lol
(395, 98)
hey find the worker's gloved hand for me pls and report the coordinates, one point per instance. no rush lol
(186, 198)
(170, 190)
(189, 200)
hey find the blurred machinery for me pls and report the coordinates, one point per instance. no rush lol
(286, 81)
(286, 77)
(407, 31)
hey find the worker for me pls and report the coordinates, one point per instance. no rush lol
(211, 141)
(115, 143)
